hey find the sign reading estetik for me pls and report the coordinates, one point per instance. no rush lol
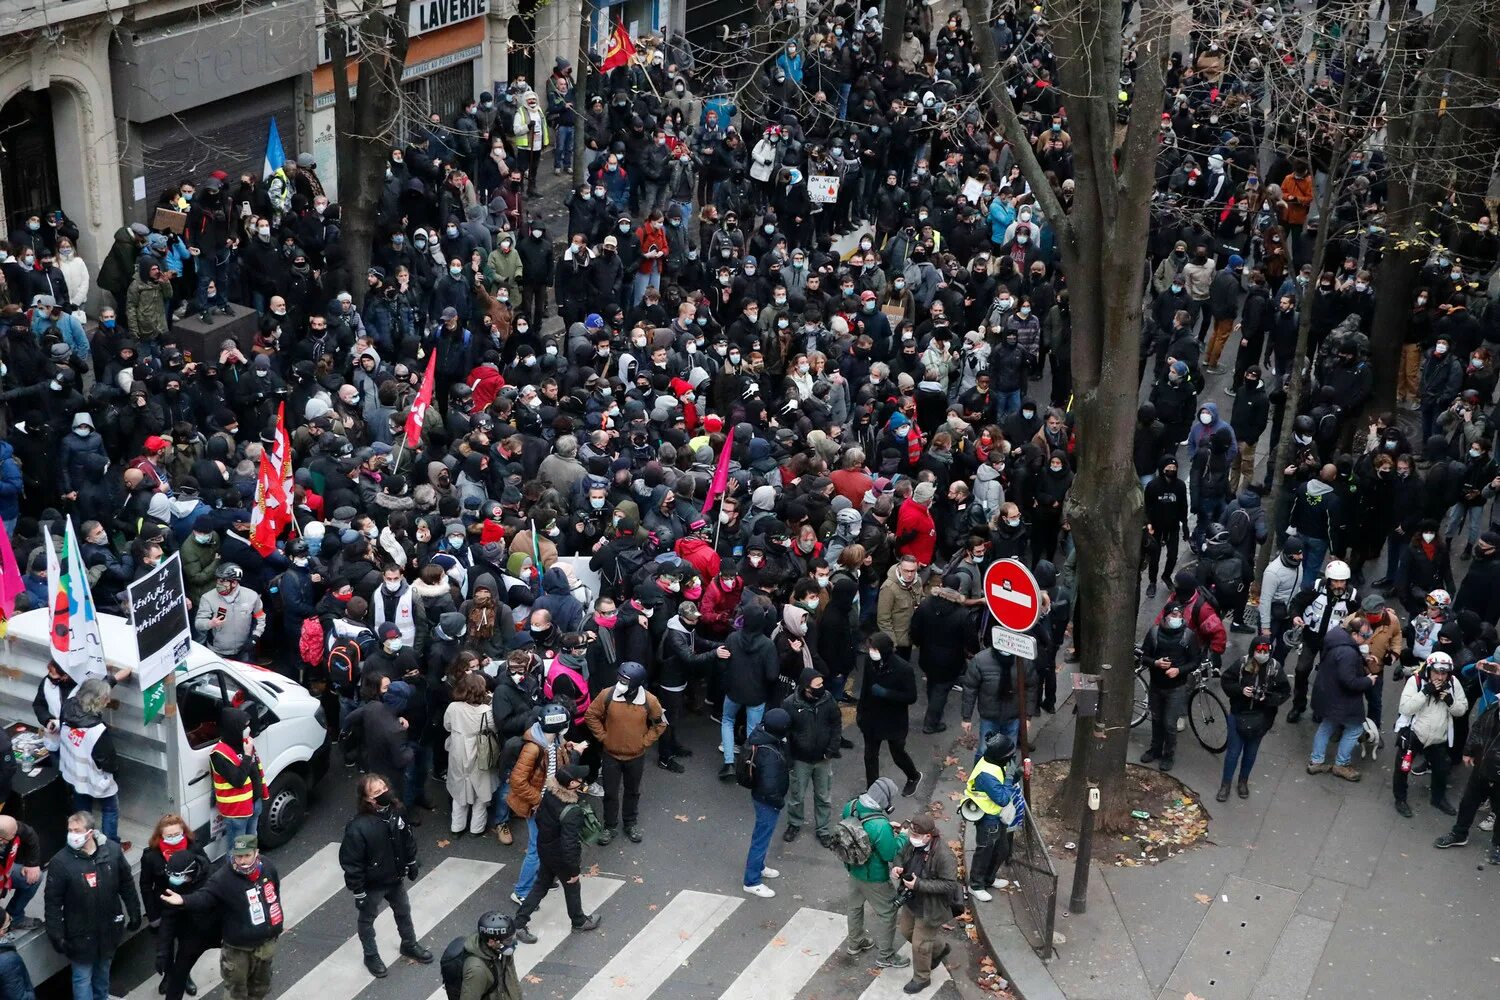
(424, 16)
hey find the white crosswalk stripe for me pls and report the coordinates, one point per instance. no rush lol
(791, 958)
(303, 890)
(343, 975)
(661, 947)
(551, 926)
(891, 983)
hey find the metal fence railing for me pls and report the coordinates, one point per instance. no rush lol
(1034, 904)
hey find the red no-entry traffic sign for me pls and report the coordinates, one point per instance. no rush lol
(1012, 595)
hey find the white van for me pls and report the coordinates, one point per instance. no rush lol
(164, 765)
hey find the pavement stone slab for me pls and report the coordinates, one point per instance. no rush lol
(1352, 848)
(1234, 942)
(1099, 959)
(1294, 961)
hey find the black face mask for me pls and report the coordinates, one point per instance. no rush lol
(385, 800)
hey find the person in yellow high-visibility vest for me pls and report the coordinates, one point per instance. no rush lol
(532, 135)
(991, 787)
(239, 782)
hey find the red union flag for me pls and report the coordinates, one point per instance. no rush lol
(620, 49)
(419, 405)
(273, 490)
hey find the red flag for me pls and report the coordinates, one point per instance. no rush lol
(11, 584)
(273, 490)
(419, 405)
(721, 475)
(620, 49)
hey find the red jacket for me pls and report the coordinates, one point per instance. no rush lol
(1200, 616)
(486, 381)
(718, 606)
(652, 238)
(914, 518)
(700, 555)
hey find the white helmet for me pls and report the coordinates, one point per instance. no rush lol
(1337, 570)
(1439, 599)
(1439, 661)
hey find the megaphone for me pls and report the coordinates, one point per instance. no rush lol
(969, 811)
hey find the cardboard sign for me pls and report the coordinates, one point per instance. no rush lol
(823, 189)
(166, 218)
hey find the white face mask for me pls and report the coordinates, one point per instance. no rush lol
(1262, 657)
(393, 646)
(1428, 536)
(76, 839)
(1205, 419)
(1174, 621)
(874, 656)
(919, 842)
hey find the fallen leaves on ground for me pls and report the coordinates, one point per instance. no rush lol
(651, 907)
(620, 982)
(949, 760)
(593, 870)
(680, 818)
(444, 843)
(637, 880)
(778, 942)
(533, 980)
(1203, 898)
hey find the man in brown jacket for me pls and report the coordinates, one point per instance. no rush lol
(544, 752)
(626, 720)
(926, 875)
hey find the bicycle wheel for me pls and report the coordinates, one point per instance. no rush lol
(1140, 709)
(1209, 719)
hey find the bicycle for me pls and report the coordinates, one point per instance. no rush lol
(1206, 711)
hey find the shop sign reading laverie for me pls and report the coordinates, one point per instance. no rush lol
(424, 16)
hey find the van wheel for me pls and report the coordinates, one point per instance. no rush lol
(285, 810)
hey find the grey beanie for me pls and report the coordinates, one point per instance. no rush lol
(881, 795)
(764, 498)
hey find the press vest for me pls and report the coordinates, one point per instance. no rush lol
(557, 668)
(75, 760)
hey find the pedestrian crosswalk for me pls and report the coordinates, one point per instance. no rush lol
(691, 935)
(304, 889)
(446, 888)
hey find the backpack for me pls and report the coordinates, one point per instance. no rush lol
(591, 827)
(451, 965)
(274, 602)
(342, 663)
(628, 564)
(510, 752)
(310, 642)
(744, 763)
(851, 841)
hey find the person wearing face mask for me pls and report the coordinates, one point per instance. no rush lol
(231, 617)
(238, 778)
(1480, 590)
(559, 832)
(488, 963)
(1346, 673)
(768, 779)
(1171, 652)
(378, 855)
(1256, 687)
(1431, 701)
(180, 865)
(888, 690)
(91, 904)
(245, 896)
(927, 886)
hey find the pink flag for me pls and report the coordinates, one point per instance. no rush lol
(10, 578)
(721, 476)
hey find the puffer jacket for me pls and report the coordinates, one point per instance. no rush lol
(529, 775)
(1339, 690)
(377, 850)
(816, 727)
(771, 774)
(1430, 714)
(989, 685)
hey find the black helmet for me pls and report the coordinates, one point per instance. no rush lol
(229, 571)
(500, 928)
(296, 547)
(632, 673)
(1304, 425)
(999, 748)
(555, 718)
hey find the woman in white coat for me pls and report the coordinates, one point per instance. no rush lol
(467, 720)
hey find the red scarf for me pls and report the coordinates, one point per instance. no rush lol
(914, 445)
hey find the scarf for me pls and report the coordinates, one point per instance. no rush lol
(914, 445)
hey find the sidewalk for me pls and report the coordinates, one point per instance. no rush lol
(1312, 886)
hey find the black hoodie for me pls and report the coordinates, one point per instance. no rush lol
(752, 667)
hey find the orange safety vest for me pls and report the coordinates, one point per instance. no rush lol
(234, 801)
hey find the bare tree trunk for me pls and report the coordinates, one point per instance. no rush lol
(1103, 246)
(365, 122)
(894, 28)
